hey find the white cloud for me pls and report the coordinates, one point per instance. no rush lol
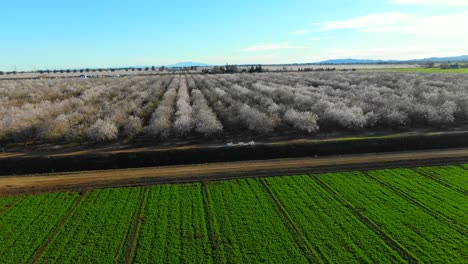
(240, 59)
(301, 31)
(430, 2)
(272, 46)
(367, 21)
(434, 26)
(315, 39)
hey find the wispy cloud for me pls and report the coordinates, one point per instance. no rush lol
(430, 2)
(272, 46)
(434, 26)
(315, 39)
(301, 31)
(366, 22)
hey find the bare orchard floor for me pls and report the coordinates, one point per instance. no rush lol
(399, 215)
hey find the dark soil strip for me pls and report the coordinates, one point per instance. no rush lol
(440, 181)
(136, 228)
(305, 246)
(214, 239)
(201, 155)
(57, 228)
(236, 175)
(392, 243)
(453, 223)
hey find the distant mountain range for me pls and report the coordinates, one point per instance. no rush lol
(463, 58)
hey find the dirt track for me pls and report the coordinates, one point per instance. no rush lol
(215, 171)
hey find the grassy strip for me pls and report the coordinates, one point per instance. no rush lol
(426, 70)
(98, 230)
(438, 200)
(25, 227)
(173, 228)
(420, 234)
(450, 176)
(330, 226)
(332, 140)
(250, 228)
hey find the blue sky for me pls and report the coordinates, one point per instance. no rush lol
(73, 34)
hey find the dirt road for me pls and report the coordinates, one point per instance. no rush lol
(216, 171)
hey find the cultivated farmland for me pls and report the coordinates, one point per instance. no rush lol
(98, 229)
(156, 108)
(401, 215)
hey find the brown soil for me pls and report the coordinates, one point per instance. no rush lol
(14, 185)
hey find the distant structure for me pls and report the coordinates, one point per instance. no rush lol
(83, 76)
(240, 144)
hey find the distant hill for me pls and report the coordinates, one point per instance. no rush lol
(350, 61)
(463, 58)
(189, 64)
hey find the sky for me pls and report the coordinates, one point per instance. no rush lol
(102, 33)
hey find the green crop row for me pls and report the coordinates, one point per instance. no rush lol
(5, 201)
(420, 234)
(249, 227)
(382, 216)
(453, 175)
(337, 234)
(173, 226)
(436, 197)
(25, 227)
(98, 230)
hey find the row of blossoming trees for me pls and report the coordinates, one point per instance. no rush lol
(156, 108)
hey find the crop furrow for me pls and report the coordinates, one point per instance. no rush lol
(9, 203)
(306, 247)
(54, 232)
(136, 227)
(213, 235)
(457, 226)
(440, 181)
(392, 243)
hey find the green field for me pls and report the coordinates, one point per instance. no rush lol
(427, 70)
(402, 215)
